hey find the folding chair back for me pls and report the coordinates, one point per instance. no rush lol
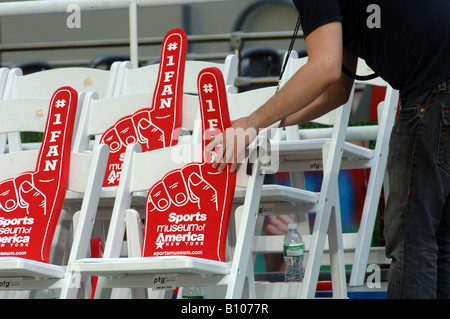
(132, 78)
(42, 84)
(3, 78)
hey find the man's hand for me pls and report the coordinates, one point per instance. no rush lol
(231, 145)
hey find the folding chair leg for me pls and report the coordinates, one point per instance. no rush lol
(242, 253)
(159, 294)
(71, 286)
(367, 224)
(134, 233)
(377, 174)
(316, 248)
(297, 179)
(336, 247)
(251, 279)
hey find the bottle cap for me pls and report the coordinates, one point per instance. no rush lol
(292, 226)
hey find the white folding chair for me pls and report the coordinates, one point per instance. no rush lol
(32, 92)
(357, 156)
(353, 156)
(296, 155)
(85, 173)
(142, 171)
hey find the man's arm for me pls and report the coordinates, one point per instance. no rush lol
(322, 71)
(337, 95)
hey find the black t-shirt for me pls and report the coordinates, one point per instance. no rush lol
(407, 42)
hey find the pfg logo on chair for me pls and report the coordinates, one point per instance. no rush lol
(165, 281)
(10, 283)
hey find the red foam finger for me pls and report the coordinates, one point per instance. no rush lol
(158, 126)
(199, 227)
(213, 104)
(205, 192)
(176, 188)
(168, 97)
(160, 198)
(112, 139)
(8, 196)
(57, 140)
(33, 199)
(28, 226)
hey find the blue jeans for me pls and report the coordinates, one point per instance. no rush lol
(417, 216)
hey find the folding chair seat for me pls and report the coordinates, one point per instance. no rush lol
(34, 186)
(154, 258)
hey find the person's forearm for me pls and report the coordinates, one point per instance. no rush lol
(334, 97)
(305, 87)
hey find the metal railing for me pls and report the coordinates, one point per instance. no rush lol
(236, 40)
(61, 6)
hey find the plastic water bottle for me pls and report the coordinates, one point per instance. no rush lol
(192, 293)
(293, 253)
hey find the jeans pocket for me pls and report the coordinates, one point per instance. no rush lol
(444, 139)
(409, 117)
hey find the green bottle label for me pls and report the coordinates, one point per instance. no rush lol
(293, 251)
